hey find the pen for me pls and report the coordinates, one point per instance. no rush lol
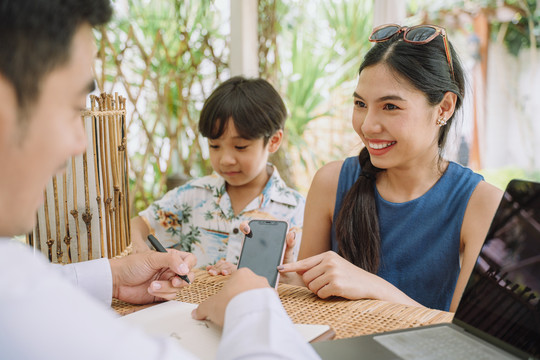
(159, 248)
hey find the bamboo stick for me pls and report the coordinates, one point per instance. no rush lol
(38, 234)
(67, 238)
(96, 172)
(50, 241)
(105, 178)
(114, 170)
(75, 211)
(122, 173)
(59, 252)
(118, 155)
(87, 216)
(126, 172)
(110, 174)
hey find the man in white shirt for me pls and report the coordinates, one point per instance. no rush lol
(54, 312)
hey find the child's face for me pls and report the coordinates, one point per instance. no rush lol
(394, 120)
(241, 162)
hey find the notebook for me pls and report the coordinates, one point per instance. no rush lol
(498, 316)
(173, 318)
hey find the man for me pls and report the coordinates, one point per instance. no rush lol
(46, 54)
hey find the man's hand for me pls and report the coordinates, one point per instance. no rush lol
(214, 307)
(150, 276)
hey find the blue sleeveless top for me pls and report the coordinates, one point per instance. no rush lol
(420, 239)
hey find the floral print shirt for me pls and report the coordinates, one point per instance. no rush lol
(198, 217)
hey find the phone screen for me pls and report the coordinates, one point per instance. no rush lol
(263, 252)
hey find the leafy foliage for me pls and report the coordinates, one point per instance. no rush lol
(520, 31)
(166, 56)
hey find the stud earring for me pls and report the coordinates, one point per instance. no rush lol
(441, 121)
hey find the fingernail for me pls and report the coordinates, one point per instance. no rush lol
(281, 267)
(156, 285)
(294, 235)
(194, 313)
(225, 272)
(212, 272)
(183, 269)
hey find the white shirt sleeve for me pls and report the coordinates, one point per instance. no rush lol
(94, 277)
(257, 327)
(43, 316)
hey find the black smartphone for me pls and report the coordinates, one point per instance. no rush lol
(263, 251)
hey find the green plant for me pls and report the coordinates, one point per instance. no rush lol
(523, 31)
(166, 56)
(519, 32)
(320, 45)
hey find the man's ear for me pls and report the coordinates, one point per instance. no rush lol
(275, 141)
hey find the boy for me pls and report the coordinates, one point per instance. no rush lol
(243, 120)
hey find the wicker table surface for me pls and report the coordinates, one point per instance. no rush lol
(347, 318)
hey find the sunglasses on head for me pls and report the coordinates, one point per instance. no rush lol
(420, 34)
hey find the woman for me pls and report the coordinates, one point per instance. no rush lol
(405, 224)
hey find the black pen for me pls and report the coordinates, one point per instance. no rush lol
(159, 248)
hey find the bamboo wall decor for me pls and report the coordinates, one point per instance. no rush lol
(85, 214)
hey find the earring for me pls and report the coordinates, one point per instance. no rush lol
(441, 121)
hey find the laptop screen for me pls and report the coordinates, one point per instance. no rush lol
(502, 297)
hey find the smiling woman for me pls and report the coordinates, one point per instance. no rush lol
(400, 216)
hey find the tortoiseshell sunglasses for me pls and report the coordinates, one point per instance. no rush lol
(420, 34)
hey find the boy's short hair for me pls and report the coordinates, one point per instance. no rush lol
(35, 38)
(254, 105)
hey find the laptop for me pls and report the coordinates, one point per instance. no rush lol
(498, 316)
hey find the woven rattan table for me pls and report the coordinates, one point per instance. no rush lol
(347, 318)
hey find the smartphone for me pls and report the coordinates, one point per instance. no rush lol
(263, 252)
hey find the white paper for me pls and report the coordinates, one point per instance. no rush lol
(173, 318)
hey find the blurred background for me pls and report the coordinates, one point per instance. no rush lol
(166, 56)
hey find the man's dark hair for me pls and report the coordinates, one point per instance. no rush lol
(36, 36)
(254, 105)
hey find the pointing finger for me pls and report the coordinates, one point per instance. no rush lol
(302, 265)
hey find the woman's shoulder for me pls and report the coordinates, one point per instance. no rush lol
(329, 173)
(486, 196)
(459, 180)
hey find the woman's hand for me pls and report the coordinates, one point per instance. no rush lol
(328, 274)
(222, 267)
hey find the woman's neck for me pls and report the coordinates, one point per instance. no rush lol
(405, 184)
